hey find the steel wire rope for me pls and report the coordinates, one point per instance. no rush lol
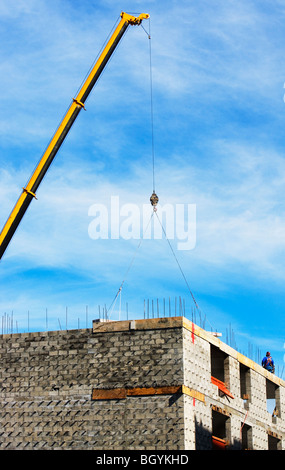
(153, 163)
(180, 268)
(153, 166)
(129, 267)
(151, 103)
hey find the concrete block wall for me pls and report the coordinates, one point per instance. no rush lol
(252, 412)
(196, 355)
(47, 381)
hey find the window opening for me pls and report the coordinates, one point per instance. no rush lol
(272, 402)
(220, 430)
(245, 384)
(220, 370)
(218, 358)
(273, 443)
(246, 437)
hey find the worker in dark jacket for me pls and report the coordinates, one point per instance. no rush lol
(268, 363)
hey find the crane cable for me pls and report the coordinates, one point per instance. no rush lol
(176, 259)
(179, 266)
(112, 305)
(151, 109)
(151, 104)
(154, 198)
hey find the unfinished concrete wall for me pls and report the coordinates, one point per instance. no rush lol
(241, 418)
(47, 381)
(144, 384)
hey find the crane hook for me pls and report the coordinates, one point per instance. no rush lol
(154, 201)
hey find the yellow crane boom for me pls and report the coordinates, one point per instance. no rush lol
(29, 192)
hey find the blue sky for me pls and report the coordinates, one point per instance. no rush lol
(218, 101)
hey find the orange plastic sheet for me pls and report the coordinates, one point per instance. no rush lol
(221, 386)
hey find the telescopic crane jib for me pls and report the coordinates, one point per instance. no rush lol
(29, 192)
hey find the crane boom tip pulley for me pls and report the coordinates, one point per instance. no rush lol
(134, 20)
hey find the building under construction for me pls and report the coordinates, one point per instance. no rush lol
(152, 384)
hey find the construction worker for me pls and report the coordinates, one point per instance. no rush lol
(268, 363)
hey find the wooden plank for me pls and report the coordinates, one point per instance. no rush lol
(159, 323)
(274, 434)
(140, 391)
(193, 393)
(220, 410)
(109, 394)
(122, 393)
(146, 324)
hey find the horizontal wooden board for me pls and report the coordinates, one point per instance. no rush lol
(122, 393)
(139, 391)
(109, 394)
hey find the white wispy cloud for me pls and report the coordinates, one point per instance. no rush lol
(239, 216)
